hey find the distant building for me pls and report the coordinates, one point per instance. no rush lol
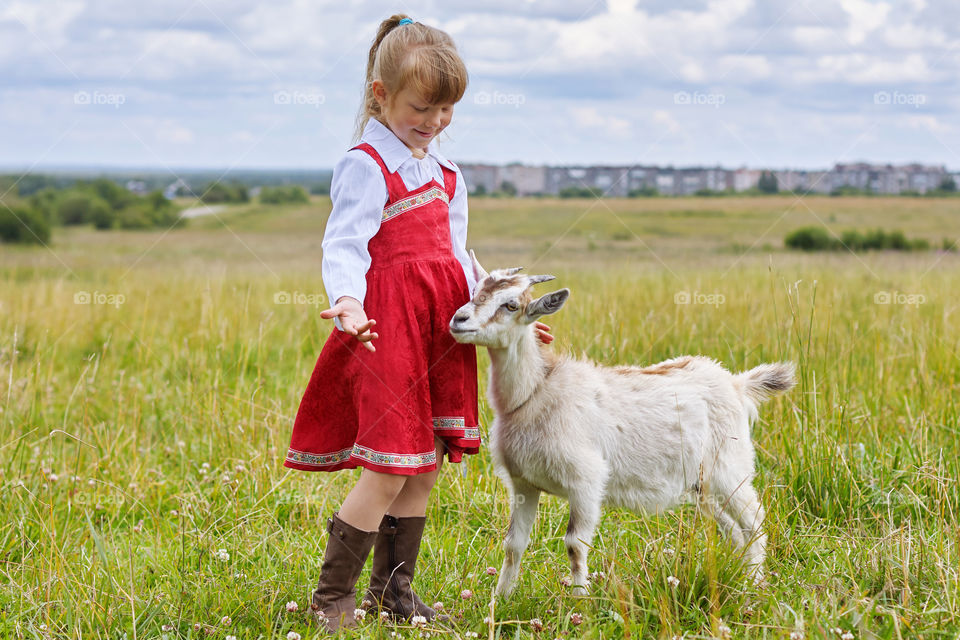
(138, 187)
(176, 188)
(622, 181)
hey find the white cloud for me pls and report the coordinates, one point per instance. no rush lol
(865, 16)
(591, 120)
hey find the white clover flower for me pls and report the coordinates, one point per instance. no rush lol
(566, 581)
(724, 630)
(536, 624)
(359, 614)
(668, 551)
(226, 621)
(438, 606)
(137, 528)
(491, 571)
(230, 638)
(222, 555)
(466, 594)
(673, 581)
(796, 635)
(384, 615)
(292, 606)
(366, 603)
(293, 635)
(846, 636)
(419, 621)
(166, 627)
(576, 619)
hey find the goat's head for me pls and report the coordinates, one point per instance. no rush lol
(502, 307)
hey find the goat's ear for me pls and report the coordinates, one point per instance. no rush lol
(547, 304)
(479, 273)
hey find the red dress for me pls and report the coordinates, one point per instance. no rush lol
(382, 410)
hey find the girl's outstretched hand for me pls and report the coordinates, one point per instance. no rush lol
(353, 319)
(543, 332)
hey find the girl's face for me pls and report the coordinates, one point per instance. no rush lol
(412, 119)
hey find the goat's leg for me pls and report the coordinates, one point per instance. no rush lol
(524, 499)
(742, 507)
(729, 527)
(584, 516)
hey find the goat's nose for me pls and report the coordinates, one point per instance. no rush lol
(460, 317)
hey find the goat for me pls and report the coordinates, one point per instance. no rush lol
(646, 439)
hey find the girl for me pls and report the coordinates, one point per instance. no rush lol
(394, 258)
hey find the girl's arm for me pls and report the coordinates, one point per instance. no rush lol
(358, 194)
(458, 230)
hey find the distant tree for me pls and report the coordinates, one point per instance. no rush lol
(218, 192)
(481, 190)
(643, 192)
(948, 184)
(767, 183)
(74, 208)
(117, 196)
(508, 188)
(810, 239)
(23, 225)
(580, 192)
(283, 195)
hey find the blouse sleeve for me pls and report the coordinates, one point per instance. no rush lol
(458, 230)
(358, 193)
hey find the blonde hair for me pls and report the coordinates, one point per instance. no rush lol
(414, 56)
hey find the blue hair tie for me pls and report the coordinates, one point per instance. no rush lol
(405, 21)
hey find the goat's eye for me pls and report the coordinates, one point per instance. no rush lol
(511, 306)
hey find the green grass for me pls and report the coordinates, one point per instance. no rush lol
(125, 404)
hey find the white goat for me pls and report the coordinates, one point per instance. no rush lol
(646, 439)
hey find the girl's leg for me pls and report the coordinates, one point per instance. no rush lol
(369, 499)
(397, 547)
(412, 500)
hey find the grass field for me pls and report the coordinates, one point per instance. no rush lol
(148, 383)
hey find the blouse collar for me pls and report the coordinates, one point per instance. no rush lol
(392, 150)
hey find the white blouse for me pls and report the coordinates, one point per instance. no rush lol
(359, 193)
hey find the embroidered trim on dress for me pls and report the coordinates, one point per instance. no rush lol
(385, 459)
(443, 423)
(471, 434)
(400, 206)
(395, 459)
(318, 459)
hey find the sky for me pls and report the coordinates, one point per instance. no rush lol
(238, 83)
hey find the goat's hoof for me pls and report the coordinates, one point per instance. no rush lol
(579, 590)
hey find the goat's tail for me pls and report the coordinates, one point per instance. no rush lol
(766, 380)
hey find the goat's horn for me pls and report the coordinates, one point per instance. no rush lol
(536, 279)
(511, 271)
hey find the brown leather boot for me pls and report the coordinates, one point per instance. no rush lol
(394, 562)
(335, 599)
